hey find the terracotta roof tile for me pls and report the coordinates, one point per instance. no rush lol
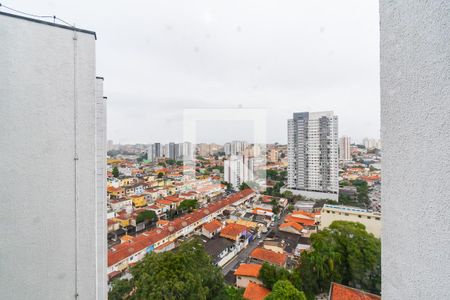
(255, 292)
(232, 230)
(250, 270)
(150, 237)
(269, 256)
(212, 226)
(293, 225)
(342, 292)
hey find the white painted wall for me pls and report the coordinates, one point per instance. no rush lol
(415, 129)
(51, 247)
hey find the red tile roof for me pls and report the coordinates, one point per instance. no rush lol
(250, 270)
(232, 230)
(255, 292)
(293, 225)
(342, 292)
(150, 237)
(212, 226)
(269, 256)
(304, 222)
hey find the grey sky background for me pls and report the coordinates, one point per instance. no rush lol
(159, 57)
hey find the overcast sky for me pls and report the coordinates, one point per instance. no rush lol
(160, 57)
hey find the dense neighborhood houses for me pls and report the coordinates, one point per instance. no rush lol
(156, 205)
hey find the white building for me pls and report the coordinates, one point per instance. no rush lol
(313, 155)
(331, 213)
(151, 154)
(371, 143)
(53, 171)
(238, 169)
(344, 149)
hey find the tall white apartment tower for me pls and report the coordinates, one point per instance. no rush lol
(344, 149)
(238, 169)
(53, 170)
(313, 155)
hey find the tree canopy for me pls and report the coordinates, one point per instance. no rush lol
(115, 172)
(188, 205)
(186, 273)
(283, 289)
(147, 215)
(343, 253)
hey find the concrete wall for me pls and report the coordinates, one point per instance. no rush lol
(415, 125)
(50, 246)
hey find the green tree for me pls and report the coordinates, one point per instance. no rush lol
(186, 273)
(287, 194)
(120, 289)
(147, 216)
(227, 184)
(343, 253)
(243, 186)
(283, 289)
(171, 162)
(188, 205)
(270, 274)
(115, 172)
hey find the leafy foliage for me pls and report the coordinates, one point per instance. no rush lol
(283, 289)
(343, 253)
(115, 172)
(187, 273)
(243, 186)
(188, 205)
(147, 215)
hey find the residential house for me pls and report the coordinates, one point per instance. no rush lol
(212, 228)
(262, 255)
(247, 273)
(255, 292)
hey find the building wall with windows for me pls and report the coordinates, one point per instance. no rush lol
(313, 153)
(331, 213)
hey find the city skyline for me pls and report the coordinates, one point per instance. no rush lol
(283, 57)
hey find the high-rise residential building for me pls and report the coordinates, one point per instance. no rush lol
(151, 153)
(158, 150)
(313, 154)
(203, 149)
(371, 143)
(238, 147)
(227, 148)
(187, 151)
(272, 155)
(172, 150)
(344, 149)
(54, 115)
(238, 169)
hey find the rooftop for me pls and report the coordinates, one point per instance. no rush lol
(250, 270)
(71, 28)
(255, 292)
(269, 256)
(342, 292)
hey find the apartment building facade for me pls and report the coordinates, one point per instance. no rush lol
(313, 155)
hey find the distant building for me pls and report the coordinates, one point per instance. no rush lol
(158, 152)
(238, 169)
(172, 150)
(313, 155)
(151, 153)
(344, 149)
(331, 213)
